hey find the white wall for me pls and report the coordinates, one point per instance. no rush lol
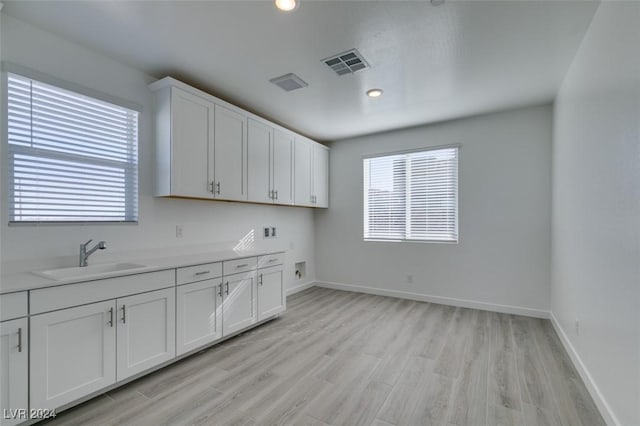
(504, 216)
(204, 222)
(596, 209)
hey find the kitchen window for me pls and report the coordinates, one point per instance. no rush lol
(412, 196)
(72, 158)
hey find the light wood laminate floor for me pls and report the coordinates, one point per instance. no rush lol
(341, 358)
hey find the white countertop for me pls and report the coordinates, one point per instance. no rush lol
(29, 281)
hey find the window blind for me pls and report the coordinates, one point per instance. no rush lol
(72, 158)
(412, 196)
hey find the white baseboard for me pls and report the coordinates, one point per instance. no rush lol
(594, 391)
(507, 309)
(300, 287)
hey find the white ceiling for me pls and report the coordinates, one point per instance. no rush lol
(434, 63)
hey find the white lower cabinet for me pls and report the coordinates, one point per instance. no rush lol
(14, 362)
(73, 353)
(199, 314)
(239, 302)
(271, 297)
(146, 331)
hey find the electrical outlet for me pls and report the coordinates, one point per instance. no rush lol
(178, 231)
(409, 279)
(577, 327)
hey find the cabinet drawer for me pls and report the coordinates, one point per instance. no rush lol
(65, 296)
(270, 260)
(13, 305)
(191, 274)
(239, 265)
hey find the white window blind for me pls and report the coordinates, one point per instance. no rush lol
(412, 196)
(72, 158)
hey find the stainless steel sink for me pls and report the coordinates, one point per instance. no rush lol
(91, 271)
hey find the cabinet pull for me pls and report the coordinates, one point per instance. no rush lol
(202, 273)
(220, 290)
(260, 279)
(218, 188)
(271, 194)
(124, 314)
(20, 339)
(211, 185)
(244, 265)
(227, 292)
(272, 260)
(110, 317)
(276, 192)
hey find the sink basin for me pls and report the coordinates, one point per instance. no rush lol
(87, 271)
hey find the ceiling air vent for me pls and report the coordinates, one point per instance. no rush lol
(289, 82)
(346, 62)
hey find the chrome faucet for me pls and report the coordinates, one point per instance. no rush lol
(84, 253)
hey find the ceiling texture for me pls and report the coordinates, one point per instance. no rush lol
(434, 63)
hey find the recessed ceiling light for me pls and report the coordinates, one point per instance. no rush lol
(287, 5)
(374, 93)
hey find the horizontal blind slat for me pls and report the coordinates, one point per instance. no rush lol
(72, 158)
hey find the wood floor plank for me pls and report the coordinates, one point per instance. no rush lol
(339, 357)
(504, 389)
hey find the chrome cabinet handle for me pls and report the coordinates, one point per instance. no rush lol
(276, 194)
(20, 339)
(110, 317)
(124, 314)
(260, 279)
(244, 265)
(202, 273)
(220, 290)
(211, 186)
(227, 288)
(271, 194)
(218, 188)
(272, 260)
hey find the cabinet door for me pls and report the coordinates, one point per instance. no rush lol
(271, 298)
(199, 314)
(191, 136)
(14, 358)
(73, 353)
(239, 307)
(320, 176)
(302, 172)
(259, 160)
(282, 167)
(230, 154)
(146, 331)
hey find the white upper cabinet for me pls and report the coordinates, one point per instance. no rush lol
(311, 173)
(230, 168)
(282, 155)
(259, 147)
(270, 164)
(14, 364)
(320, 176)
(207, 148)
(191, 120)
(303, 151)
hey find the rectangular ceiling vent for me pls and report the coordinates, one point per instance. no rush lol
(346, 62)
(289, 82)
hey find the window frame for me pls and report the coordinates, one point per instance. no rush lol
(132, 191)
(404, 152)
